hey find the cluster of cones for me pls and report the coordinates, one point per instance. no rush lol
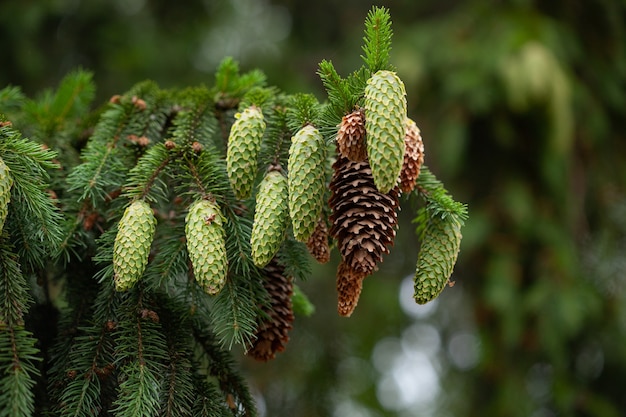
(363, 222)
(363, 219)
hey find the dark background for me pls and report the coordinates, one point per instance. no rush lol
(522, 107)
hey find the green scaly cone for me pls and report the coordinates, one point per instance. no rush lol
(306, 181)
(132, 244)
(271, 218)
(439, 249)
(6, 182)
(385, 113)
(206, 245)
(244, 143)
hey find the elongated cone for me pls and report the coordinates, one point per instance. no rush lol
(385, 113)
(306, 181)
(244, 143)
(272, 333)
(6, 182)
(318, 242)
(413, 157)
(363, 219)
(132, 244)
(206, 245)
(351, 136)
(271, 218)
(437, 256)
(349, 286)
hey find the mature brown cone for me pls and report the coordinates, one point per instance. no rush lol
(349, 285)
(272, 333)
(363, 219)
(351, 136)
(413, 156)
(318, 242)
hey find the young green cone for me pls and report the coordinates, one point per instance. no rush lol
(132, 244)
(306, 181)
(206, 245)
(244, 143)
(385, 113)
(6, 182)
(271, 217)
(435, 262)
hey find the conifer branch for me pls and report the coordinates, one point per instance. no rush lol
(18, 353)
(377, 39)
(438, 201)
(141, 351)
(222, 367)
(11, 99)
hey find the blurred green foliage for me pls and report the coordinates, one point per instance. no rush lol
(522, 106)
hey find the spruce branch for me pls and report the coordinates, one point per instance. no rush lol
(304, 109)
(37, 227)
(377, 39)
(439, 202)
(12, 100)
(231, 86)
(222, 367)
(50, 113)
(141, 352)
(18, 356)
(145, 179)
(111, 151)
(18, 353)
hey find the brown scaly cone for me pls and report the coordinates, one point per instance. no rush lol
(351, 136)
(318, 242)
(272, 333)
(413, 156)
(349, 286)
(363, 219)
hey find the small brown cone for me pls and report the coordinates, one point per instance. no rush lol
(351, 136)
(272, 333)
(413, 156)
(363, 219)
(349, 286)
(318, 242)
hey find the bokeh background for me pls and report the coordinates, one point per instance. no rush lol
(522, 107)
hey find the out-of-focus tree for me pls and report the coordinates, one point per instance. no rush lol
(522, 107)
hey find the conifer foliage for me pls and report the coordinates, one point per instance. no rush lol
(176, 222)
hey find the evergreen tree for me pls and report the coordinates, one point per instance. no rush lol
(160, 236)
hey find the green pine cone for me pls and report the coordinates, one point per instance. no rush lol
(244, 143)
(436, 259)
(271, 217)
(132, 244)
(206, 245)
(6, 182)
(306, 181)
(385, 113)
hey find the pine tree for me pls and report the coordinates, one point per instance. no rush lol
(179, 229)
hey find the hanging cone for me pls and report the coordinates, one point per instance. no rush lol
(363, 219)
(413, 156)
(351, 136)
(273, 331)
(385, 112)
(349, 285)
(318, 242)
